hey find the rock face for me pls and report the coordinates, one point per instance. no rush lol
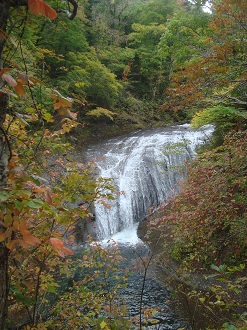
(85, 228)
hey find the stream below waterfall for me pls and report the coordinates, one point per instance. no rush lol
(145, 167)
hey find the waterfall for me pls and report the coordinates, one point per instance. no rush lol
(145, 167)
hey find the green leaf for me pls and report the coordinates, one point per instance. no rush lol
(228, 326)
(215, 267)
(18, 205)
(35, 203)
(101, 112)
(27, 301)
(3, 196)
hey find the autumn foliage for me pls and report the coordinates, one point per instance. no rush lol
(207, 219)
(218, 74)
(37, 214)
(37, 7)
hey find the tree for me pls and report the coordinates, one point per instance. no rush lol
(149, 68)
(8, 9)
(87, 78)
(217, 74)
(110, 22)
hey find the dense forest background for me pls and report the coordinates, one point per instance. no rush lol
(138, 62)
(114, 66)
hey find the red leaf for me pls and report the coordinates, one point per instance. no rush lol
(12, 244)
(4, 70)
(28, 238)
(49, 12)
(48, 198)
(37, 7)
(60, 248)
(2, 237)
(19, 88)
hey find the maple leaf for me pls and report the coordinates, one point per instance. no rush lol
(37, 7)
(19, 88)
(5, 235)
(28, 238)
(60, 248)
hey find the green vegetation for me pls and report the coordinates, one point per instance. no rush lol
(76, 70)
(204, 229)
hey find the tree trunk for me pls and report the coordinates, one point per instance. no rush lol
(4, 282)
(4, 279)
(4, 285)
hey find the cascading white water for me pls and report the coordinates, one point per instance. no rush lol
(145, 167)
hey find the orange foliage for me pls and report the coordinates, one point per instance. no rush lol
(37, 7)
(60, 248)
(193, 83)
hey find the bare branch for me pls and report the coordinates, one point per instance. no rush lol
(235, 100)
(232, 99)
(17, 3)
(75, 7)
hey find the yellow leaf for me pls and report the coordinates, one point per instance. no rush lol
(2, 237)
(65, 101)
(63, 111)
(103, 325)
(8, 219)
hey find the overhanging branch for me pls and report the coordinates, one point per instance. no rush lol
(75, 7)
(231, 99)
(235, 100)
